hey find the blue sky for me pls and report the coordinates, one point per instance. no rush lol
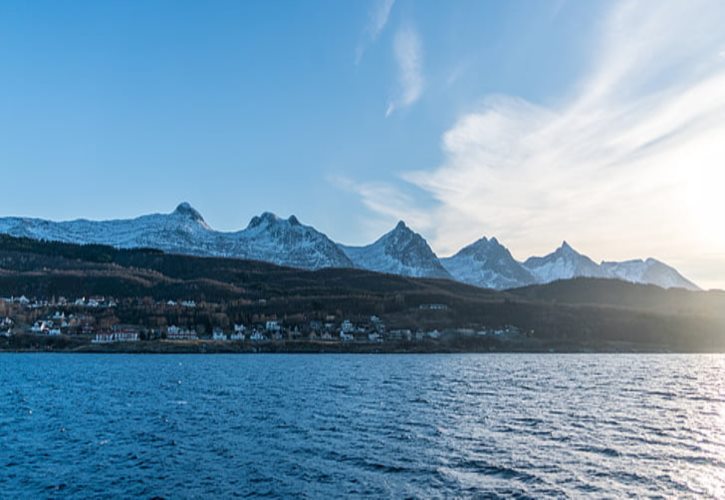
(454, 116)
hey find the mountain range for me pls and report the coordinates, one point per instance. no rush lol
(485, 263)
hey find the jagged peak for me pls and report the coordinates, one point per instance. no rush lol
(484, 247)
(566, 249)
(266, 217)
(269, 216)
(271, 219)
(185, 209)
(401, 230)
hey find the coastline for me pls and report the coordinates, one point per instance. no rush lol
(308, 347)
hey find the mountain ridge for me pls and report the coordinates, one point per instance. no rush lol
(484, 263)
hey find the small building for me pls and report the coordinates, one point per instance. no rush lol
(433, 307)
(116, 336)
(103, 338)
(126, 336)
(257, 336)
(347, 326)
(41, 327)
(272, 326)
(175, 333)
(218, 334)
(374, 337)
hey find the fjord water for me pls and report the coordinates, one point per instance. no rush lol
(362, 425)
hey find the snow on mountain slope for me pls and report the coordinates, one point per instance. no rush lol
(567, 263)
(488, 264)
(650, 271)
(183, 230)
(485, 263)
(401, 251)
(563, 263)
(267, 238)
(289, 243)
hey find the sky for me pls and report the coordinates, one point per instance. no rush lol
(601, 123)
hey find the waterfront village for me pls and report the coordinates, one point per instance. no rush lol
(94, 319)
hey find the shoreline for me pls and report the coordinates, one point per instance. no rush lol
(211, 348)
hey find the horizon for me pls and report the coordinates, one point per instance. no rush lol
(531, 122)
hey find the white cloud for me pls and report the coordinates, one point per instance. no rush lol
(389, 203)
(630, 164)
(408, 53)
(378, 19)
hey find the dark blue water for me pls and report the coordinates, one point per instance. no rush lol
(379, 426)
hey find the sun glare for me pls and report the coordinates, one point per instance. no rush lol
(706, 194)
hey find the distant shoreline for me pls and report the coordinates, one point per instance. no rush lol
(306, 347)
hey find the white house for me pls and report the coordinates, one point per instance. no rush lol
(40, 327)
(176, 333)
(257, 336)
(347, 326)
(218, 334)
(119, 336)
(272, 326)
(374, 337)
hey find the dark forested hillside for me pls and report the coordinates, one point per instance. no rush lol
(609, 292)
(580, 313)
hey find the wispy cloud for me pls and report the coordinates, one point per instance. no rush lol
(379, 16)
(408, 52)
(629, 164)
(389, 203)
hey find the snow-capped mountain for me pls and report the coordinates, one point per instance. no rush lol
(487, 263)
(563, 263)
(267, 237)
(401, 251)
(650, 271)
(287, 242)
(182, 231)
(566, 263)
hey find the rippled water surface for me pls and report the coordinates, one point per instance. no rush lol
(380, 425)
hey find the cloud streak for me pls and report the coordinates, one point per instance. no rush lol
(629, 164)
(408, 52)
(378, 20)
